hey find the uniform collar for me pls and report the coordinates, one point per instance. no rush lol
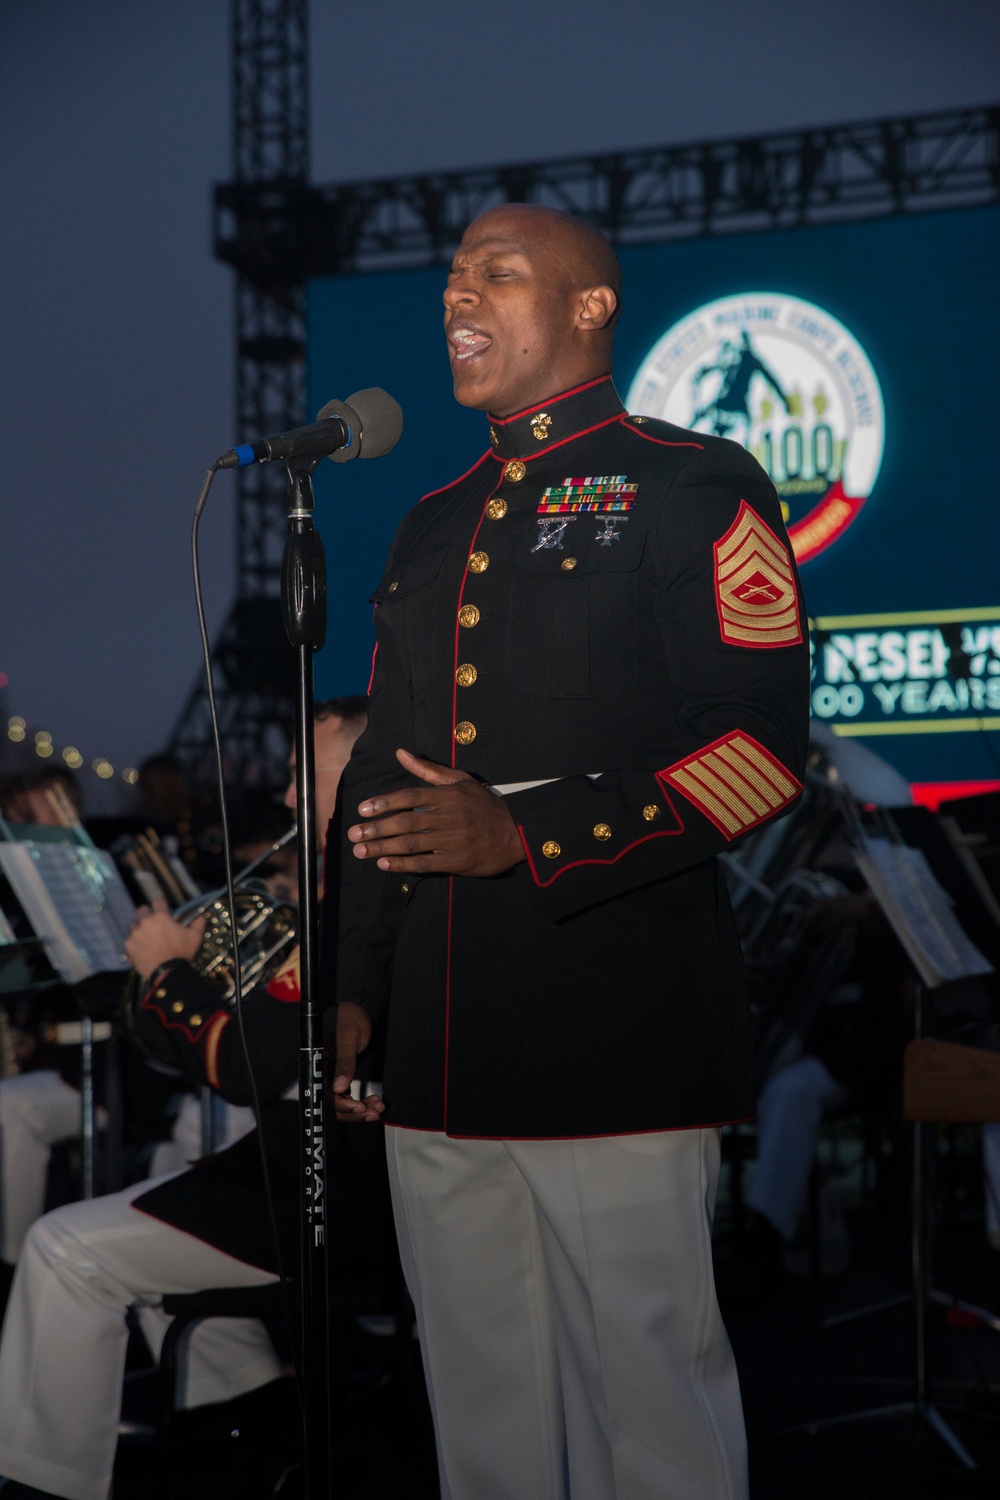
(569, 414)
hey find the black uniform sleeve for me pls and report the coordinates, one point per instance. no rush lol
(181, 1021)
(361, 910)
(732, 627)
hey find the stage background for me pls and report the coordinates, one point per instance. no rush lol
(921, 295)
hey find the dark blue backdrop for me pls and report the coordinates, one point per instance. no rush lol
(920, 293)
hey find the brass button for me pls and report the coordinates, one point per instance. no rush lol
(551, 849)
(393, 587)
(479, 562)
(466, 674)
(465, 732)
(496, 510)
(493, 436)
(638, 421)
(468, 616)
(568, 564)
(161, 994)
(177, 1006)
(602, 831)
(651, 812)
(406, 889)
(196, 1021)
(515, 471)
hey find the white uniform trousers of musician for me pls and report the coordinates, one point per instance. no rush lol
(62, 1354)
(569, 1326)
(36, 1111)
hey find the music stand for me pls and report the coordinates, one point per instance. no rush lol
(920, 914)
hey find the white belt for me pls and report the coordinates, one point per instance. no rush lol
(509, 787)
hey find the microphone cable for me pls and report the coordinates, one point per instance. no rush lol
(227, 859)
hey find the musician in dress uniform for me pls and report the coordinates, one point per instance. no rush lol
(591, 678)
(83, 1266)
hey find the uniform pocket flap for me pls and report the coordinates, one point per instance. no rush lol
(411, 573)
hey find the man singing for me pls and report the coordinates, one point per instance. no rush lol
(591, 678)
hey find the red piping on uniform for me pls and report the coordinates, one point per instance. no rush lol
(516, 416)
(599, 1135)
(451, 483)
(461, 591)
(217, 1027)
(374, 659)
(666, 833)
(625, 418)
(529, 458)
(454, 749)
(170, 1025)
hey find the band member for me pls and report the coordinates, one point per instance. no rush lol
(591, 678)
(83, 1266)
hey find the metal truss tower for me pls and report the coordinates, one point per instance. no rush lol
(278, 231)
(252, 659)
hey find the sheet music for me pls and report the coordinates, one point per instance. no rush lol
(919, 911)
(75, 901)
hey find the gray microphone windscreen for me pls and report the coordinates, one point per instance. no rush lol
(381, 421)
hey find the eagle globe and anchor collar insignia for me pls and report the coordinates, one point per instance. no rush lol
(530, 433)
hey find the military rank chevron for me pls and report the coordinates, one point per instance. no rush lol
(735, 782)
(754, 586)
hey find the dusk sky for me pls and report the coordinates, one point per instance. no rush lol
(116, 384)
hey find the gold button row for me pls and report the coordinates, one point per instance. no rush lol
(465, 732)
(466, 674)
(479, 562)
(514, 471)
(468, 616)
(497, 509)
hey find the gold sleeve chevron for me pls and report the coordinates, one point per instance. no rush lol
(755, 593)
(735, 782)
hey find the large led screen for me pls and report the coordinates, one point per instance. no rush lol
(858, 362)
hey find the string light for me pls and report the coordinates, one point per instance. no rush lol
(17, 731)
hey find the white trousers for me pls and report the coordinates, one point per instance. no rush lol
(36, 1111)
(62, 1353)
(789, 1111)
(565, 1296)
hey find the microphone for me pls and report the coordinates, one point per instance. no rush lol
(366, 425)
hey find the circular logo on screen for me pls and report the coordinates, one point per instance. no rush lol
(787, 380)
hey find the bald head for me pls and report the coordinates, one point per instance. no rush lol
(579, 252)
(530, 307)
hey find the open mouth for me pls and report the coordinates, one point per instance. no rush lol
(467, 343)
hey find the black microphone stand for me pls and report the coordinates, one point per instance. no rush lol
(303, 599)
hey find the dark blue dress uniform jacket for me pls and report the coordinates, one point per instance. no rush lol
(656, 679)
